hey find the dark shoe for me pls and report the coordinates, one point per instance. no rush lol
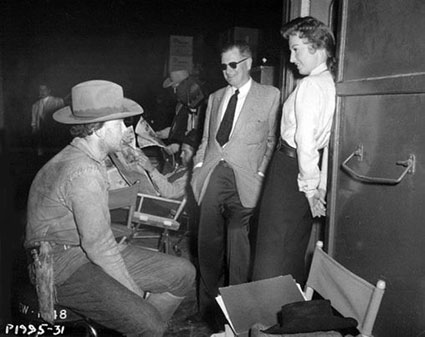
(214, 322)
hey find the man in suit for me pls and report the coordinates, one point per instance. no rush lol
(237, 143)
(41, 118)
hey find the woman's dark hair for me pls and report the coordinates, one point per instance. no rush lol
(84, 130)
(317, 33)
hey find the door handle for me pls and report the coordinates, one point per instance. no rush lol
(410, 165)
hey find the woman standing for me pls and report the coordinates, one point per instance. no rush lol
(295, 186)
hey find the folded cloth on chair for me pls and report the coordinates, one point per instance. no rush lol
(257, 331)
(310, 316)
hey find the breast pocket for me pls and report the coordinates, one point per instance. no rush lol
(255, 131)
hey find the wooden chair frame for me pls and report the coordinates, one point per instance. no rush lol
(143, 217)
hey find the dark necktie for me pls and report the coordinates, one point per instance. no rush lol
(227, 121)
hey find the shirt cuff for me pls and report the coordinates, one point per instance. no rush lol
(309, 194)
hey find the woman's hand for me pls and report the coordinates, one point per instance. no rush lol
(318, 203)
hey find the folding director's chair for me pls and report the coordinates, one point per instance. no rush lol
(151, 210)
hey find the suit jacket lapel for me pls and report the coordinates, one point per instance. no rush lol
(218, 106)
(248, 107)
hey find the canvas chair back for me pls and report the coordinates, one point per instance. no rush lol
(349, 294)
(151, 209)
(125, 197)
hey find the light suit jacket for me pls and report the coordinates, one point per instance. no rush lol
(250, 145)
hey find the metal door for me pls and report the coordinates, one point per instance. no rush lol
(377, 197)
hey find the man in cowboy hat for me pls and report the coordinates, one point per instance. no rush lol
(120, 286)
(188, 111)
(176, 77)
(173, 81)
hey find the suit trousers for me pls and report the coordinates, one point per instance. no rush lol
(223, 241)
(284, 224)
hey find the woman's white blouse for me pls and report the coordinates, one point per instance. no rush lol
(306, 124)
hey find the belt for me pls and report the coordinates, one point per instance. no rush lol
(55, 246)
(284, 147)
(65, 247)
(288, 150)
(33, 251)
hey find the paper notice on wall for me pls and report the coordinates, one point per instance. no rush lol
(181, 53)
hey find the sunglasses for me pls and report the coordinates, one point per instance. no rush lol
(232, 65)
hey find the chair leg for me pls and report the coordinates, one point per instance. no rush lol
(186, 234)
(90, 330)
(161, 247)
(166, 242)
(176, 247)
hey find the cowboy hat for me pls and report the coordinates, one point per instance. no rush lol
(97, 101)
(309, 316)
(175, 78)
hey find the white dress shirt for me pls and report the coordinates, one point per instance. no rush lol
(307, 117)
(243, 92)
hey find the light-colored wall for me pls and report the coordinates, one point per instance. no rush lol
(320, 9)
(317, 8)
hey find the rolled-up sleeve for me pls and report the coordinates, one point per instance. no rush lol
(172, 190)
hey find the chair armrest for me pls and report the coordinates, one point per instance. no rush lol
(155, 221)
(149, 196)
(181, 203)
